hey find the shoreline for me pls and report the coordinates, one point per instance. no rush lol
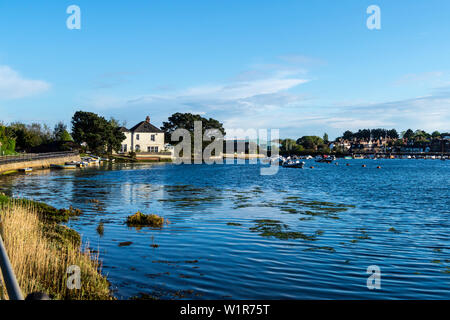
(47, 249)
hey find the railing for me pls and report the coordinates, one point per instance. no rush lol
(35, 156)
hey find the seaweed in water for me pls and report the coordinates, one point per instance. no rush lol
(100, 229)
(274, 228)
(145, 220)
(125, 244)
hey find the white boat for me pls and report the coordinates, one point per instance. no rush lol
(26, 170)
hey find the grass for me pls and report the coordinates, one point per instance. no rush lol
(41, 251)
(145, 220)
(46, 212)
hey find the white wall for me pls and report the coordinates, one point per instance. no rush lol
(144, 141)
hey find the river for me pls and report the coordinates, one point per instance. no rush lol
(235, 234)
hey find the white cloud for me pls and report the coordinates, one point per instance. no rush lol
(14, 86)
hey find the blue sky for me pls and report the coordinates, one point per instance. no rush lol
(304, 67)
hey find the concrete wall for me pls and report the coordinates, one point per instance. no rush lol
(37, 164)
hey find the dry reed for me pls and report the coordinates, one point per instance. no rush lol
(41, 252)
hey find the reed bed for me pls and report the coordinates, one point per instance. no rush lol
(41, 252)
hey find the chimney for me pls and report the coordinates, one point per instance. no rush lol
(147, 119)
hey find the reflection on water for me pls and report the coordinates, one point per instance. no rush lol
(235, 234)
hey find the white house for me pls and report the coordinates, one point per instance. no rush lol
(143, 137)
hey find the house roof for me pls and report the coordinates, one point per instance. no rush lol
(145, 126)
(123, 129)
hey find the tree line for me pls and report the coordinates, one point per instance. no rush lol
(377, 134)
(89, 132)
(305, 144)
(20, 137)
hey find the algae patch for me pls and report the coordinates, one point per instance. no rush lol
(274, 228)
(145, 220)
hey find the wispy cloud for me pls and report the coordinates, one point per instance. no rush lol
(433, 78)
(267, 96)
(252, 91)
(14, 86)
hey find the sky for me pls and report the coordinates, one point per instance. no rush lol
(303, 67)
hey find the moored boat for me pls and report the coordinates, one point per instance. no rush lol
(293, 164)
(63, 166)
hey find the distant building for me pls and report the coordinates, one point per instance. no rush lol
(143, 137)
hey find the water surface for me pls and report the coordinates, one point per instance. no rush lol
(300, 234)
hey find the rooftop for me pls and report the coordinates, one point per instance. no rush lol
(143, 126)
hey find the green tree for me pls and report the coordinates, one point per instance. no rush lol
(348, 135)
(30, 136)
(186, 121)
(393, 134)
(436, 135)
(310, 142)
(7, 141)
(99, 134)
(60, 133)
(289, 146)
(408, 134)
(325, 137)
(114, 136)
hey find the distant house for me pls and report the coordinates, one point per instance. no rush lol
(143, 137)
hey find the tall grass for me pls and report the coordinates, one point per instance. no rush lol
(41, 251)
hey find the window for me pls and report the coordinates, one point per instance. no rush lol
(124, 148)
(138, 148)
(153, 137)
(152, 149)
(137, 137)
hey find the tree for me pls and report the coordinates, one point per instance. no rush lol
(325, 137)
(436, 134)
(393, 134)
(7, 141)
(363, 134)
(289, 146)
(99, 134)
(420, 135)
(186, 121)
(114, 136)
(60, 133)
(378, 134)
(310, 142)
(30, 136)
(408, 134)
(348, 135)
